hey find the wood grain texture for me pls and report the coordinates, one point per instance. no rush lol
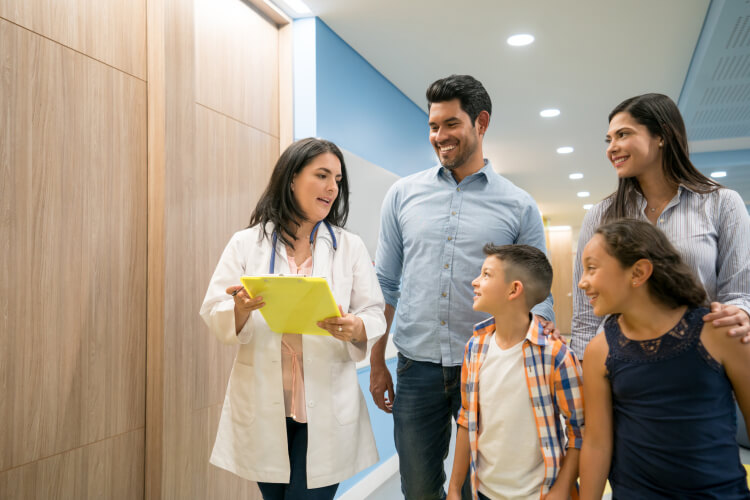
(561, 258)
(235, 165)
(236, 63)
(73, 230)
(156, 242)
(286, 87)
(111, 469)
(112, 31)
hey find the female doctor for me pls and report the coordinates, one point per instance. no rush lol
(294, 419)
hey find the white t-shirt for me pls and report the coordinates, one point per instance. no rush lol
(510, 462)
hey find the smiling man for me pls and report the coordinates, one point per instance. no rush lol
(434, 225)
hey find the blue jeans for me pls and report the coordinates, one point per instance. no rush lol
(296, 489)
(428, 396)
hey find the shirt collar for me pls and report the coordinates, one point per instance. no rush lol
(535, 333)
(484, 172)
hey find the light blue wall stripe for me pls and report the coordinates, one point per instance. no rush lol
(363, 112)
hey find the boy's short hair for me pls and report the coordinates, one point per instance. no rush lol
(526, 264)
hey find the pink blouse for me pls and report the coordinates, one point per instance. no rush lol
(291, 358)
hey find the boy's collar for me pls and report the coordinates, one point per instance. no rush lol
(535, 333)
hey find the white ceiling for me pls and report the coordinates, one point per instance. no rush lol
(588, 56)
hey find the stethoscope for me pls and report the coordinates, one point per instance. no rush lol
(312, 236)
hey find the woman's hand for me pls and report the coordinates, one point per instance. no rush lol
(347, 328)
(242, 301)
(243, 305)
(732, 316)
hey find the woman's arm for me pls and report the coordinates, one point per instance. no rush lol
(584, 322)
(219, 309)
(733, 266)
(596, 453)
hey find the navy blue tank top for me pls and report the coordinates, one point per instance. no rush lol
(674, 417)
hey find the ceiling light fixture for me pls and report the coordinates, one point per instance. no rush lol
(583, 194)
(549, 113)
(587, 206)
(575, 176)
(718, 174)
(565, 150)
(520, 40)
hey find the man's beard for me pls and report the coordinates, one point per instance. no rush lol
(459, 160)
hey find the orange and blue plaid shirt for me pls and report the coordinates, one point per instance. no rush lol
(555, 383)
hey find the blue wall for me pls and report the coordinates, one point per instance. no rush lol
(363, 112)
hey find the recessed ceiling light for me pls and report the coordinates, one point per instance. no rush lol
(588, 206)
(565, 150)
(583, 194)
(549, 113)
(718, 174)
(575, 176)
(520, 40)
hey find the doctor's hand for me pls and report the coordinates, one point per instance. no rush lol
(732, 316)
(242, 301)
(347, 328)
(243, 305)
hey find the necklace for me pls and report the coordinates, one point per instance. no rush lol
(660, 207)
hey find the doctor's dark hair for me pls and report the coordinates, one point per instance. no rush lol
(526, 264)
(672, 282)
(467, 89)
(277, 204)
(661, 116)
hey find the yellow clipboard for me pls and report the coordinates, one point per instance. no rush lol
(294, 304)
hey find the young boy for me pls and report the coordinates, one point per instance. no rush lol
(515, 383)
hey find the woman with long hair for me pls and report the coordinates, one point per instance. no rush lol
(294, 418)
(706, 222)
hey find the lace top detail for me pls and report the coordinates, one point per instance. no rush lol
(680, 338)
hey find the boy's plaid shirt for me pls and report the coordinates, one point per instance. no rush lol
(555, 383)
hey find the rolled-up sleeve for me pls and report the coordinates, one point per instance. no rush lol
(217, 309)
(532, 233)
(733, 259)
(389, 256)
(569, 397)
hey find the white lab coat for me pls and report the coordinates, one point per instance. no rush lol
(251, 440)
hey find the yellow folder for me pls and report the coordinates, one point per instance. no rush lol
(294, 304)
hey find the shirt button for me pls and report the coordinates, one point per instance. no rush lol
(450, 238)
(442, 322)
(458, 189)
(453, 213)
(447, 266)
(445, 294)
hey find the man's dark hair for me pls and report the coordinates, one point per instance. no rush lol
(467, 89)
(526, 264)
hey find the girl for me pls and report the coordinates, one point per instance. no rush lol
(294, 418)
(660, 416)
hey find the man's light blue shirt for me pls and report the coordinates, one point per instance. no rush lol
(432, 232)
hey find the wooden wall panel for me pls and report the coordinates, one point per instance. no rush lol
(111, 469)
(235, 163)
(112, 31)
(237, 63)
(73, 227)
(561, 258)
